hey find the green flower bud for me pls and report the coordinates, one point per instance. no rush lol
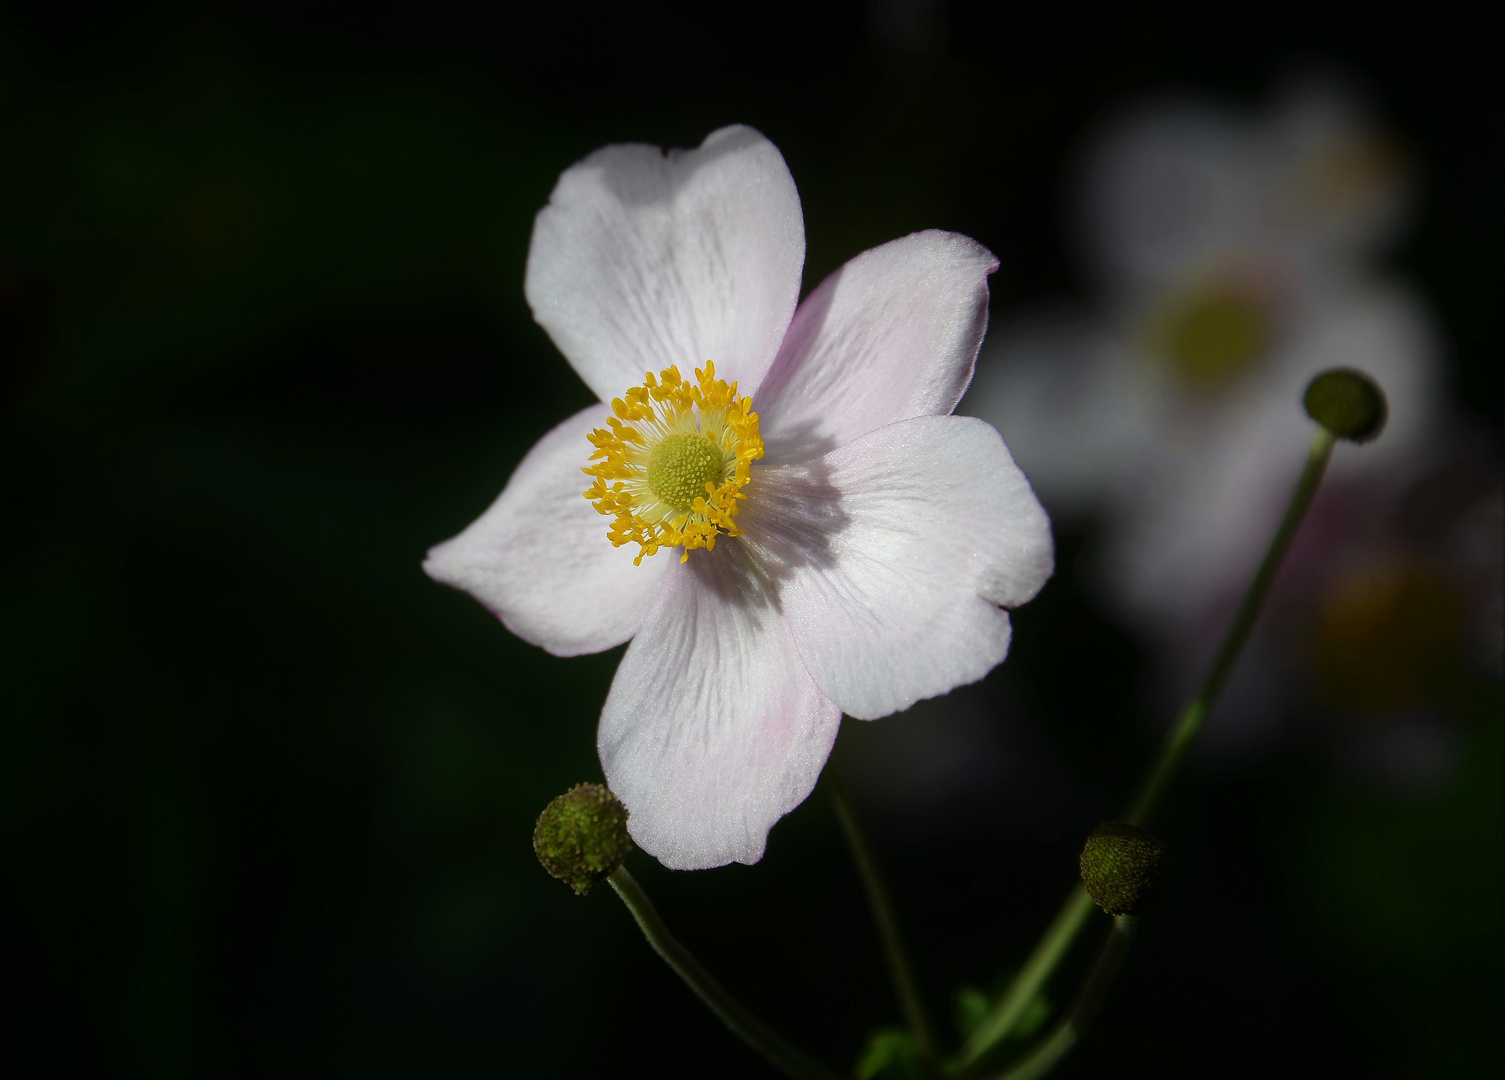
(1348, 403)
(1124, 868)
(581, 837)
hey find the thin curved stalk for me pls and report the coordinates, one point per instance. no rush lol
(906, 987)
(780, 1054)
(1069, 1031)
(1073, 914)
(1052, 946)
(1189, 724)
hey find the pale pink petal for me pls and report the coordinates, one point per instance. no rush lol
(1071, 403)
(891, 335)
(643, 260)
(1342, 190)
(539, 557)
(1171, 185)
(713, 729)
(896, 557)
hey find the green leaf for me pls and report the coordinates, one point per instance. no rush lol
(891, 1054)
(971, 1005)
(1034, 1016)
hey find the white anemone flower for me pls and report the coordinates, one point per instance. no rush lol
(1233, 253)
(799, 530)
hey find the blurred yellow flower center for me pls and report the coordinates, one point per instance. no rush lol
(1212, 336)
(1385, 635)
(672, 462)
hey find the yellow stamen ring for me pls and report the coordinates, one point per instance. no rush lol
(671, 466)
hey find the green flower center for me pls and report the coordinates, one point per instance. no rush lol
(1212, 337)
(681, 466)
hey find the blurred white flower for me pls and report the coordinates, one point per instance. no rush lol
(1233, 257)
(869, 542)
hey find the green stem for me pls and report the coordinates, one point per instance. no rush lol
(906, 988)
(1048, 952)
(1178, 741)
(1084, 1010)
(756, 1034)
(1073, 914)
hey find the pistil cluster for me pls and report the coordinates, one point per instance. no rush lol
(670, 466)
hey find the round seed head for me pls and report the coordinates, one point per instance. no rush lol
(1348, 403)
(581, 837)
(1124, 868)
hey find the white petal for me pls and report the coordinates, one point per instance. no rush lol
(713, 729)
(1346, 190)
(891, 335)
(897, 555)
(643, 260)
(1066, 399)
(1170, 185)
(539, 557)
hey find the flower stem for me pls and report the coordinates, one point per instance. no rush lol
(756, 1034)
(1190, 722)
(1069, 1031)
(1051, 947)
(1073, 914)
(906, 987)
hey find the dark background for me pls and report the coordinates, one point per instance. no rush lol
(266, 792)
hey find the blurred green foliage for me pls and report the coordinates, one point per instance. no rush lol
(1407, 892)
